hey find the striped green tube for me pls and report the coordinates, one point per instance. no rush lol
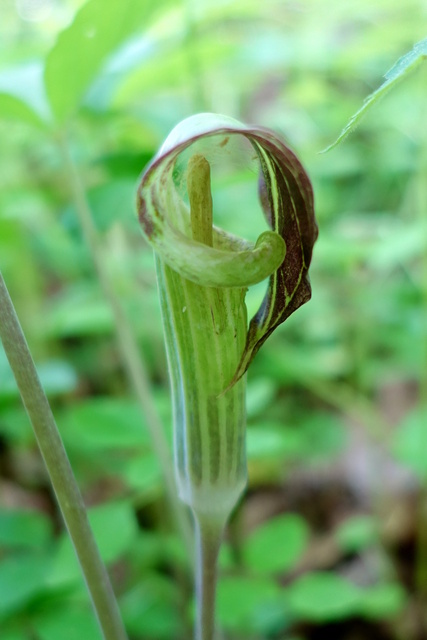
(205, 333)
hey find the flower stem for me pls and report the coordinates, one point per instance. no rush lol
(64, 484)
(209, 532)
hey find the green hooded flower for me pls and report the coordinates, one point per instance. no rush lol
(203, 275)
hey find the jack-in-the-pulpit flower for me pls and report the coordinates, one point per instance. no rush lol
(203, 274)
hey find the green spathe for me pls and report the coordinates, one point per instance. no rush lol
(282, 254)
(203, 274)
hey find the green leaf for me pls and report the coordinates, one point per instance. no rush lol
(14, 633)
(324, 434)
(151, 609)
(276, 546)
(400, 70)
(143, 473)
(261, 392)
(152, 549)
(169, 67)
(14, 108)
(410, 442)
(67, 621)
(21, 578)
(323, 596)
(29, 529)
(78, 311)
(357, 533)
(125, 165)
(104, 423)
(383, 600)
(98, 28)
(22, 94)
(15, 425)
(265, 441)
(243, 603)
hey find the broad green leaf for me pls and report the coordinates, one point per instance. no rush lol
(243, 603)
(104, 423)
(323, 596)
(260, 395)
(357, 533)
(22, 94)
(14, 633)
(78, 311)
(15, 425)
(382, 600)
(271, 441)
(151, 609)
(400, 70)
(304, 364)
(67, 621)
(325, 436)
(127, 164)
(152, 549)
(171, 69)
(29, 529)
(143, 473)
(98, 29)
(401, 243)
(14, 108)
(21, 578)
(410, 442)
(276, 546)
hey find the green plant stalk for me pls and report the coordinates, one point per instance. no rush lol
(420, 188)
(64, 484)
(205, 330)
(129, 349)
(209, 534)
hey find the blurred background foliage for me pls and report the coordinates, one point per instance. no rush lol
(330, 540)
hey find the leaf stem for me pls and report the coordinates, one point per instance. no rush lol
(128, 346)
(64, 484)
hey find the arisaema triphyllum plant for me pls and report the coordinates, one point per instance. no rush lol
(203, 275)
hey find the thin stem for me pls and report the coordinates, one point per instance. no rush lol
(64, 484)
(129, 349)
(209, 532)
(421, 206)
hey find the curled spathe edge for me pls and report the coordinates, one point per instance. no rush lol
(282, 254)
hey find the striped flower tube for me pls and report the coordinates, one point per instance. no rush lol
(203, 274)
